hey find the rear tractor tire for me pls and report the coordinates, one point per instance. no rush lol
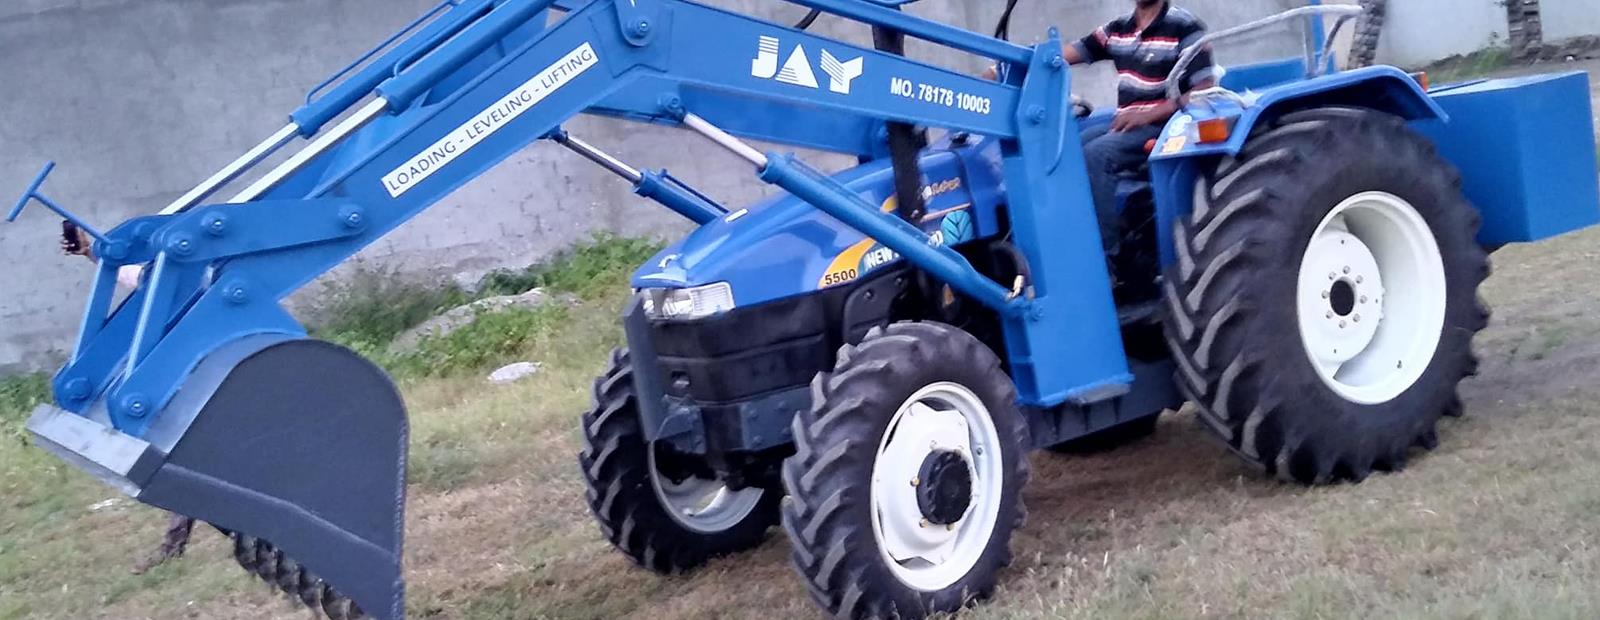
(664, 524)
(905, 486)
(1324, 299)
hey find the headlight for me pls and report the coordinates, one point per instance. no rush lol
(688, 303)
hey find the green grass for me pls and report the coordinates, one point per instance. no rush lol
(586, 270)
(18, 396)
(369, 314)
(1471, 66)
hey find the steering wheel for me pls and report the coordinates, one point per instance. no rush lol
(1081, 107)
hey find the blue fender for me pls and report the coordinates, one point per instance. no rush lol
(1179, 160)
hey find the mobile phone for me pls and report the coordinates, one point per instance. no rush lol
(69, 234)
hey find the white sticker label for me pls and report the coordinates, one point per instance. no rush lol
(492, 119)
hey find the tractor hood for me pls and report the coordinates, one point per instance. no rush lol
(784, 247)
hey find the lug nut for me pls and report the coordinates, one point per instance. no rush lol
(1330, 314)
(1357, 318)
(1341, 324)
(916, 482)
(1363, 299)
(1360, 279)
(1325, 294)
(949, 527)
(922, 523)
(1347, 269)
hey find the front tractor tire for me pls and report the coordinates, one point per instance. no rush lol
(1324, 298)
(905, 486)
(664, 522)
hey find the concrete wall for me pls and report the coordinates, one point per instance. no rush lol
(1418, 32)
(1565, 19)
(140, 99)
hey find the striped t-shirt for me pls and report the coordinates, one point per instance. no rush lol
(1145, 58)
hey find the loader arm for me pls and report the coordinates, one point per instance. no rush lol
(143, 398)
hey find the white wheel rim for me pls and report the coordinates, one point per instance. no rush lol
(940, 417)
(701, 505)
(1371, 297)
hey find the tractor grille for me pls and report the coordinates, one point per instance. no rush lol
(751, 352)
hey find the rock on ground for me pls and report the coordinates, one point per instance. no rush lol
(462, 316)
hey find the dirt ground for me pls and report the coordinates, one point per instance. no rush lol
(1498, 522)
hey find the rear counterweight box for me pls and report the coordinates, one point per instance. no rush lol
(1526, 150)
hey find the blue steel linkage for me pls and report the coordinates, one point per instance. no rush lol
(314, 114)
(220, 270)
(33, 194)
(312, 94)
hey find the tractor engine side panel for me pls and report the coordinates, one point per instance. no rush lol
(1526, 150)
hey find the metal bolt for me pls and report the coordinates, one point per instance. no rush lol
(1341, 324)
(916, 482)
(933, 445)
(1330, 314)
(1360, 279)
(1325, 294)
(641, 28)
(1057, 62)
(1347, 269)
(1363, 299)
(182, 246)
(1357, 318)
(353, 218)
(116, 250)
(1036, 114)
(216, 224)
(237, 295)
(77, 389)
(922, 523)
(1333, 275)
(949, 527)
(978, 450)
(135, 405)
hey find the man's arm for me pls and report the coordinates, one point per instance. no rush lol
(1088, 50)
(1159, 113)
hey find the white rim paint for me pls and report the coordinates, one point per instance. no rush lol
(701, 505)
(940, 417)
(1371, 297)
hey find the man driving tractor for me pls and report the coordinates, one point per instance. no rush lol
(1145, 46)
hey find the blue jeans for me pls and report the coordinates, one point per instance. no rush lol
(1108, 154)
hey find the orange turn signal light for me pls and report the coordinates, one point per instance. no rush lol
(1214, 130)
(1422, 79)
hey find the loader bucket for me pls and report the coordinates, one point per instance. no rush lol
(294, 447)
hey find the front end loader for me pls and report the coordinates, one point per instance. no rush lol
(867, 357)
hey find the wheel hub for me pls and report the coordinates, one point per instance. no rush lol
(945, 489)
(936, 486)
(1367, 344)
(1342, 296)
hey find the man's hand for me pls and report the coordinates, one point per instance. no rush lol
(77, 244)
(1134, 119)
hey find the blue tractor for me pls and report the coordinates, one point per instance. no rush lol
(868, 357)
